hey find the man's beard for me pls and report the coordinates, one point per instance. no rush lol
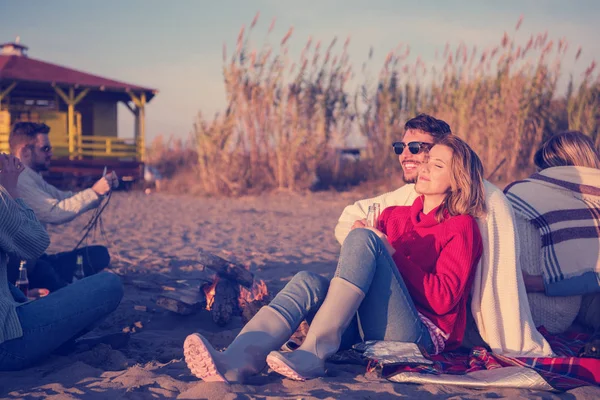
(42, 167)
(411, 180)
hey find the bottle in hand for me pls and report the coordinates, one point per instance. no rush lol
(23, 282)
(79, 274)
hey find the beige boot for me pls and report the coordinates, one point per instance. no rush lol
(324, 335)
(245, 356)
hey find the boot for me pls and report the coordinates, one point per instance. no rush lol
(324, 335)
(245, 356)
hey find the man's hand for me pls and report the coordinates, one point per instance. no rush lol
(359, 223)
(10, 169)
(105, 184)
(384, 239)
(113, 179)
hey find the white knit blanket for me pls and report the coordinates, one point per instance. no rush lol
(564, 204)
(498, 298)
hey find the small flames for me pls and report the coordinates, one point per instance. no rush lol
(209, 292)
(257, 292)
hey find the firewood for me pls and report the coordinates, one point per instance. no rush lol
(225, 303)
(182, 301)
(226, 269)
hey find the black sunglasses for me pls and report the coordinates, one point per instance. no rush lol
(413, 147)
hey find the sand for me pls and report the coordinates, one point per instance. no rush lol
(153, 240)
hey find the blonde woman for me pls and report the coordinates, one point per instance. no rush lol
(407, 282)
(557, 218)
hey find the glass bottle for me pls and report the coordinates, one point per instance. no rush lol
(376, 214)
(23, 282)
(79, 273)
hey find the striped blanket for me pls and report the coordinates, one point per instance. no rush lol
(480, 368)
(564, 204)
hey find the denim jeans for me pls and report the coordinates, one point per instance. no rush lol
(61, 316)
(387, 311)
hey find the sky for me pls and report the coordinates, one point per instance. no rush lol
(176, 46)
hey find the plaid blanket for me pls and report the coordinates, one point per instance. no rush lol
(565, 372)
(564, 204)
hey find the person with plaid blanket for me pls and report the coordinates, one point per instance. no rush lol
(558, 212)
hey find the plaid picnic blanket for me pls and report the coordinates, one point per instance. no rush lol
(564, 372)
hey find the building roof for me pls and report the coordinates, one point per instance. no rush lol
(25, 69)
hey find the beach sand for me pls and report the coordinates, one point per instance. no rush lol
(153, 240)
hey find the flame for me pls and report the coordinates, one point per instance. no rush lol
(257, 292)
(209, 292)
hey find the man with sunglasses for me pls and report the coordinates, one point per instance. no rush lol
(499, 304)
(421, 133)
(29, 142)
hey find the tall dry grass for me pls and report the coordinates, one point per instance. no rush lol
(503, 101)
(281, 120)
(286, 118)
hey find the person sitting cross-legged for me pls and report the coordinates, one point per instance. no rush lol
(31, 330)
(30, 143)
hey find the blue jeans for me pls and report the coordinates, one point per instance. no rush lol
(59, 317)
(387, 311)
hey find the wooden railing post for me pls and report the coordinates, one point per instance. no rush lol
(71, 102)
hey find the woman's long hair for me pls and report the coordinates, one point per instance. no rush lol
(467, 195)
(571, 148)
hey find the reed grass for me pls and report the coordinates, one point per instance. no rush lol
(285, 117)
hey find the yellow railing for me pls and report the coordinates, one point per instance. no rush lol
(89, 146)
(107, 146)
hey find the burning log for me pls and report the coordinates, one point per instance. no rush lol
(251, 301)
(226, 269)
(222, 300)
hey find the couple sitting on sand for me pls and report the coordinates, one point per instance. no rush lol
(444, 244)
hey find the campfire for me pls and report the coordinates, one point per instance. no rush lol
(209, 293)
(233, 290)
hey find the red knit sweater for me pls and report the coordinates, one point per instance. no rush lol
(437, 262)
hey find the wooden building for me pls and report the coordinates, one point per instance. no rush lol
(81, 110)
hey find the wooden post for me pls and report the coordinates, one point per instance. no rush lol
(142, 132)
(6, 91)
(71, 102)
(140, 122)
(71, 122)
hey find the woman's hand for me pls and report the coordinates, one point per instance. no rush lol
(10, 169)
(384, 239)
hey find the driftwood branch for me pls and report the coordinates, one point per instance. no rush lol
(226, 269)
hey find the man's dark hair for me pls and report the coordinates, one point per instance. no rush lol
(23, 134)
(428, 124)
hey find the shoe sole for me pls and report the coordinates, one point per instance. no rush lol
(199, 359)
(280, 367)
